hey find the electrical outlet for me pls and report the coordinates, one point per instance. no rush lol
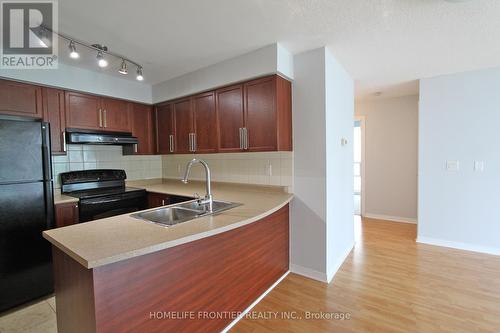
(452, 165)
(479, 166)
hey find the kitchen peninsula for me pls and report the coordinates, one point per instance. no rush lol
(114, 274)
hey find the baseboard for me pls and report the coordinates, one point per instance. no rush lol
(391, 218)
(310, 273)
(459, 245)
(244, 312)
(339, 263)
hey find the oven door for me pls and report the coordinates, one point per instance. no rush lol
(111, 205)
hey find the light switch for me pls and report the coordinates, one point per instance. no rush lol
(452, 165)
(479, 166)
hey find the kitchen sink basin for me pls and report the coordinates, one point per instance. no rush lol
(183, 212)
(217, 206)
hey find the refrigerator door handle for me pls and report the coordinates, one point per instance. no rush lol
(47, 168)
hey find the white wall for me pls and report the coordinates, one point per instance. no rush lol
(270, 59)
(391, 157)
(339, 164)
(75, 78)
(322, 114)
(459, 121)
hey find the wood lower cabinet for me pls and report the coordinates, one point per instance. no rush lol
(205, 123)
(160, 199)
(141, 118)
(165, 129)
(115, 115)
(223, 274)
(184, 127)
(66, 214)
(54, 113)
(20, 99)
(231, 119)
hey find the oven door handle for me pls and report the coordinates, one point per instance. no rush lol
(99, 201)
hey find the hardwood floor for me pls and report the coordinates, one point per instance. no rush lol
(389, 283)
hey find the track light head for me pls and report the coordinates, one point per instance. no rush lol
(139, 76)
(100, 60)
(123, 68)
(72, 51)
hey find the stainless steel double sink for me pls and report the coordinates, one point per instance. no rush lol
(183, 212)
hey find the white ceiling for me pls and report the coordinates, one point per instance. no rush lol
(384, 44)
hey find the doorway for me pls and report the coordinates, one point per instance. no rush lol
(359, 167)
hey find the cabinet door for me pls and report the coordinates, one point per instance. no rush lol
(115, 115)
(230, 117)
(54, 113)
(157, 200)
(260, 114)
(20, 99)
(141, 118)
(66, 214)
(165, 129)
(183, 125)
(205, 123)
(83, 111)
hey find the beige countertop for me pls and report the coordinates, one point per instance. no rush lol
(62, 199)
(121, 237)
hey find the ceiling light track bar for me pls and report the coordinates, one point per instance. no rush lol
(100, 49)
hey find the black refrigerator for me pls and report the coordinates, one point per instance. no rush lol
(26, 209)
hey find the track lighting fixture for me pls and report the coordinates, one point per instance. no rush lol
(72, 51)
(139, 76)
(102, 52)
(123, 68)
(100, 60)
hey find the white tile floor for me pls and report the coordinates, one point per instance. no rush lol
(37, 317)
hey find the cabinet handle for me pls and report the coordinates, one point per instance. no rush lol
(171, 142)
(189, 148)
(100, 117)
(105, 122)
(241, 137)
(64, 141)
(245, 138)
(135, 148)
(163, 202)
(195, 144)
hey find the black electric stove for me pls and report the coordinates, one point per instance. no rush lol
(102, 193)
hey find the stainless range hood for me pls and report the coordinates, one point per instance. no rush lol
(81, 136)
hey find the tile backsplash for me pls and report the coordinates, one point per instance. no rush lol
(264, 168)
(85, 157)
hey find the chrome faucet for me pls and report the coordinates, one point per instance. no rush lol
(208, 196)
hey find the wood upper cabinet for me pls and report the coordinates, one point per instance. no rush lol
(115, 115)
(141, 117)
(260, 114)
(205, 123)
(54, 113)
(184, 126)
(95, 112)
(252, 116)
(165, 129)
(230, 117)
(66, 214)
(20, 99)
(83, 111)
